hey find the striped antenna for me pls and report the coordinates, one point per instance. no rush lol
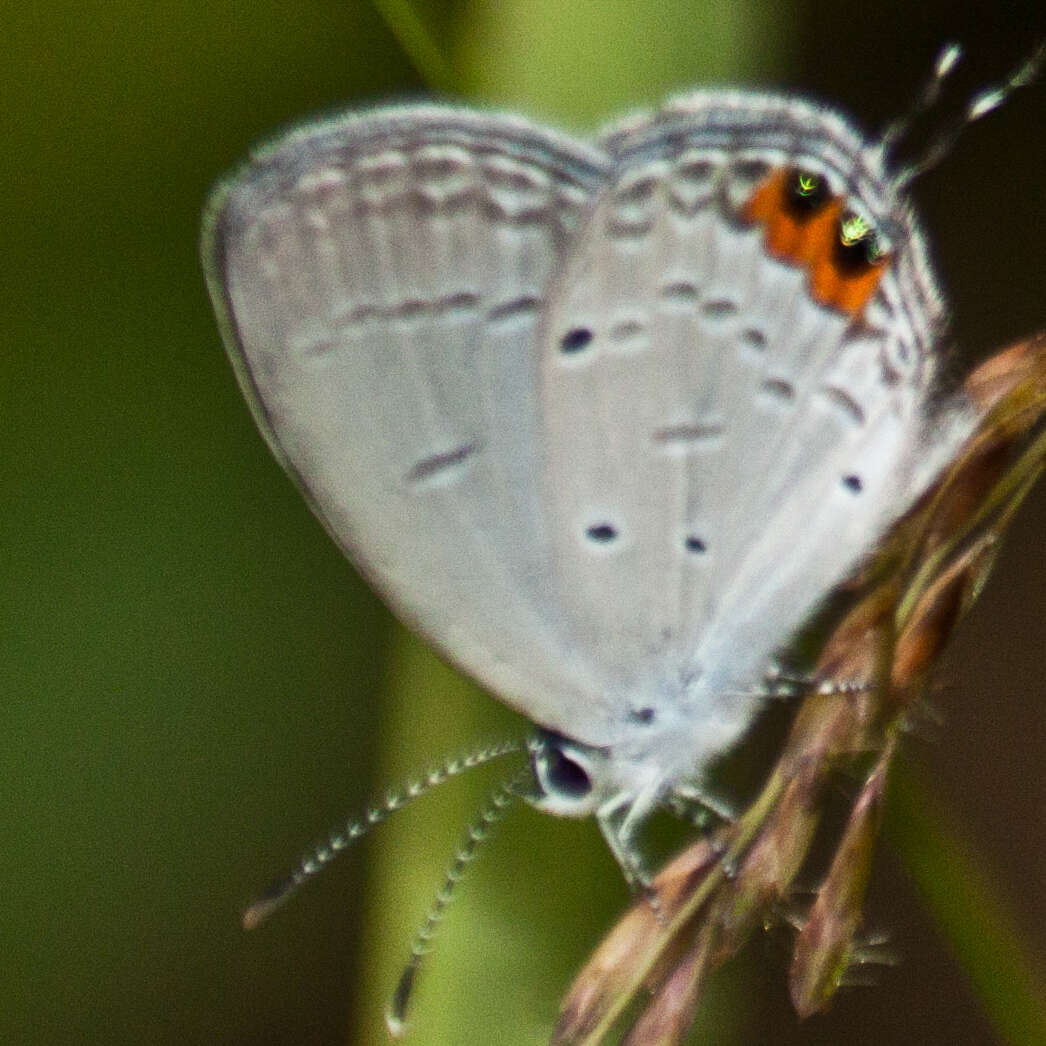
(344, 836)
(983, 102)
(493, 811)
(947, 59)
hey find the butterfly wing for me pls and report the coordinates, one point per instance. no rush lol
(379, 280)
(724, 447)
(565, 407)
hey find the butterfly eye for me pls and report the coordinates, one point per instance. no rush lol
(859, 246)
(567, 777)
(564, 776)
(807, 192)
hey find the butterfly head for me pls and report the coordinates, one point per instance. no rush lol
(571, 779)
(574, 779)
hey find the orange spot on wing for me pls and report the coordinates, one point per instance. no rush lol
(845, 291)
(811, 241)
(768, 198)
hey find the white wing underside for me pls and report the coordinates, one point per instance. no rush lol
(587, 531)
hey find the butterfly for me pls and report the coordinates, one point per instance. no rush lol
(606, 422)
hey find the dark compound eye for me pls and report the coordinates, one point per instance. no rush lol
(807, 192)
(564, 776)
(853, 483)
(694, 544)
(576, 339)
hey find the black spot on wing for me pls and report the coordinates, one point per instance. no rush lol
(688, 434)
(526, 305)
(442, 466)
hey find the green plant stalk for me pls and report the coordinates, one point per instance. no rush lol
(966, 906)
(425, 54)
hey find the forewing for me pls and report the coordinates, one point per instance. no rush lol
(379, 280)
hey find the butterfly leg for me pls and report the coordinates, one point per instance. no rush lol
(699, 806)
(619, 820)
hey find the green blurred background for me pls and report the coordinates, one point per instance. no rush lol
(196, 685)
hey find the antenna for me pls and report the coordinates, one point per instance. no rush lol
(947, 59)
(493, 812)
(339, 839)
(983, 102)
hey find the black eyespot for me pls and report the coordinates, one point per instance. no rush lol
(694, 544)
(642, 715)
(853, 482)
(807, 193)
(565, 776)
(856, 257)
(601, 532)
(576, 339)
(859, 246)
